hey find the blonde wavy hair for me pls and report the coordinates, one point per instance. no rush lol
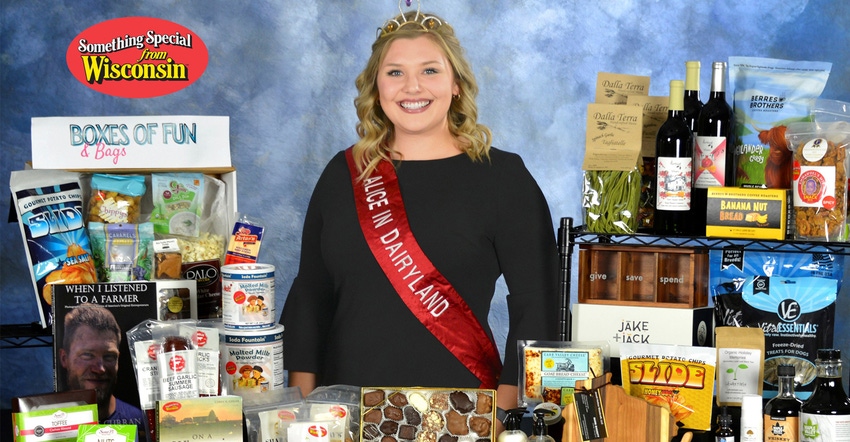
(376, 130)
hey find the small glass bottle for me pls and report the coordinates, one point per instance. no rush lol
(540, 430)
(724, 432)
(782, 412)
(513, 432)
(825, 415)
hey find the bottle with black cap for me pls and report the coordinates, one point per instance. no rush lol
(540, 429)
(825, 415)
(782, 412)
(513, 421)
(724, 432)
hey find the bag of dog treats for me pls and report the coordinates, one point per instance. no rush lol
(791, 296)
(767, 95)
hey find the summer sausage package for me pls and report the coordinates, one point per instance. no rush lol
(767, 95)
(49, 205)
(791, 296)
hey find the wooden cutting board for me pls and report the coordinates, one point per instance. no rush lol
(627, 418)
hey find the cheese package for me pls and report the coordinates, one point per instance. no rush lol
(550, 369)
(677, 377)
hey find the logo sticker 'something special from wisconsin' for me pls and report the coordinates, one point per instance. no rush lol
(137, 57)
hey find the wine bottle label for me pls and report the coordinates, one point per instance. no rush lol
(710, 154)
(673, 190)
(781, 429)
(823, 428)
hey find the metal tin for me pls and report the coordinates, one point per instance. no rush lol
(247, 296)
(253, 360)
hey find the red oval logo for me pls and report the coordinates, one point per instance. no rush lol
(172, 406)
(317, 431)
(137, 57)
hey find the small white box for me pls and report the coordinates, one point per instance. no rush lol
(653, 325)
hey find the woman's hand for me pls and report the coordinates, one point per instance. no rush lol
(303, 380)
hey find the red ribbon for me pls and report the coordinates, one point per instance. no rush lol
(425, 291)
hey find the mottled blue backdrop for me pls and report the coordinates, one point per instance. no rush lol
(284, 73)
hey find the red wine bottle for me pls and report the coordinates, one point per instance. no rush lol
(714, 154)
(674, 149)
(693, 105)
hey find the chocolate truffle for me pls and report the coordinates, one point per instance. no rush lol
(389, 427)
(373, 398)
(412, 416)
(388, 439)
(439, 401)
(456, 423)
(374, 415)
(398, 399)
(370, 431)
(484, 405)
(460, 401)
(393, 413)
(407, 432)
(418, 401)
(448, 438)
(480, 425)
(433, 421)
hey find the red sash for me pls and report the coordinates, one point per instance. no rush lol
(425, 291)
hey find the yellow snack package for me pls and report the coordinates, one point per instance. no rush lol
(677, 377)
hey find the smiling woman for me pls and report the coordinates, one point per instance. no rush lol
(410, 263)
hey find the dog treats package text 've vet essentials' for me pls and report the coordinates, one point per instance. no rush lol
(790, 296)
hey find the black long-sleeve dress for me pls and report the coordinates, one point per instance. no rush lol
(474, 220)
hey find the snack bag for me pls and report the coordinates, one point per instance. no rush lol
(767, 95)
(122, 252)
(49, 205)
(116, 198)
(178, 203)
(677, 377)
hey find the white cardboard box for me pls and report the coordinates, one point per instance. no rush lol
(653, 325)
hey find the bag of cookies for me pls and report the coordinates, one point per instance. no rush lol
(820, 179)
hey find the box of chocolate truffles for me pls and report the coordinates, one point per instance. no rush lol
(426, 415)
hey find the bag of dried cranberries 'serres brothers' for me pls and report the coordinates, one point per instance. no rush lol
(767, 95)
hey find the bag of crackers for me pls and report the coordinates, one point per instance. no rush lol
(820, 172)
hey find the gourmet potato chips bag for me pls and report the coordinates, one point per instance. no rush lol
(677, 377)
(49, 205)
